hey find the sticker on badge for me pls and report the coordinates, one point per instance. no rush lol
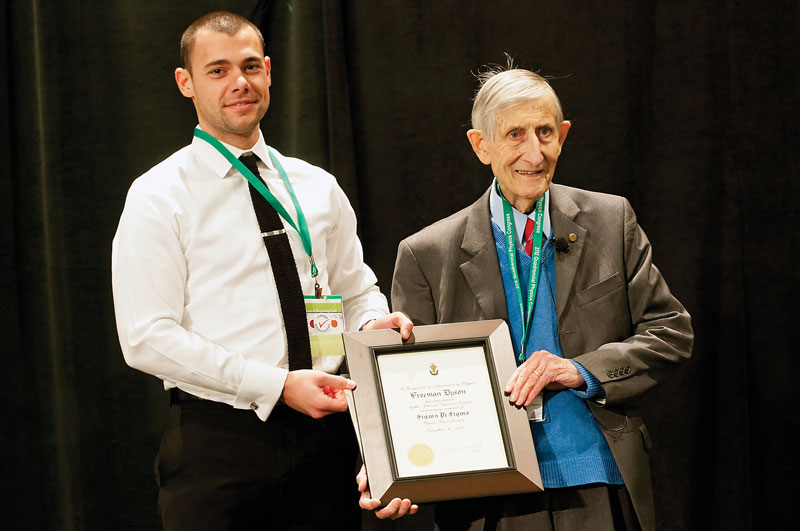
(325, 318)
(536, 409)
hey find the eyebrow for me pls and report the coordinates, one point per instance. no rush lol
(512, 128)
(218, 62)
(221, 62)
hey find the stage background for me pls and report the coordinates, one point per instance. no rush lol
(687, 108)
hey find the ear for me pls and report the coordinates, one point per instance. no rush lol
(479, 145)
(268, 70)
(562, 132)
(184, 80)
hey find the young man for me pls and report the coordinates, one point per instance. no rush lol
(210, 267)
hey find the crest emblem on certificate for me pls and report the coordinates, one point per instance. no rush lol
(434, 369)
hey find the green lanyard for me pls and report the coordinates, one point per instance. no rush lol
(305, 236)
(511, 246)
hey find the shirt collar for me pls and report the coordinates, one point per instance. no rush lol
(219, 164)
(496, 210)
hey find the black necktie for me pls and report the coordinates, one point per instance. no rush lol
(284, 269)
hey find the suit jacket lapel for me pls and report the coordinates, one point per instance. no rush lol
(482, 270)
(563, 211)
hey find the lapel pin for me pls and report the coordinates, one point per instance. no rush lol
(573, 237)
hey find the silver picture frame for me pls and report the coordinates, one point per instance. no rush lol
(431, 417)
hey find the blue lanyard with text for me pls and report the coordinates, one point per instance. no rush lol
(302, 230)
(511, 247)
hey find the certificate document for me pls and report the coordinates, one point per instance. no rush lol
(441, 411)
(430, 415)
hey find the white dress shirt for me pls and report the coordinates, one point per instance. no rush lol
(195, 299)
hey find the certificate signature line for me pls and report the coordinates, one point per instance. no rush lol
(474, 448)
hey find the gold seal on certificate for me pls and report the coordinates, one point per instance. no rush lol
(420, 455)
(431, 416)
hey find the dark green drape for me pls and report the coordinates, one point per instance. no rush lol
(687, 108)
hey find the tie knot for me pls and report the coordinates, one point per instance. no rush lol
(529, 226)
(249, 160)
(527, 241)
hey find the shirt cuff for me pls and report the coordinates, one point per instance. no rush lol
(594, 389)
(261, 388)
(367, 317)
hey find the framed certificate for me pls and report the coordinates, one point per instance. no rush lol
(431, 417)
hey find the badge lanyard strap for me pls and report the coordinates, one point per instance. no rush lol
(511, 247)
(302, 230)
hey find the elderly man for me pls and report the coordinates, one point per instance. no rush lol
(215, 250)
(592, 320)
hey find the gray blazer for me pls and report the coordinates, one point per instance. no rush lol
(616, 315)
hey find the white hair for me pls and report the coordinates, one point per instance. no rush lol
(501, 88)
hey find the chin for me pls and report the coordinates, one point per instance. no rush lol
(534, 194)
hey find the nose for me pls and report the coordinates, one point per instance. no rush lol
(241, 82)
(532, 151)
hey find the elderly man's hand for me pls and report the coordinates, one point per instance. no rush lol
(542, 370)
(393, 320)
(393, 510)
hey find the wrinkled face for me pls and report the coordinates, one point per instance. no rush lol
(229, 84)
(524, 151)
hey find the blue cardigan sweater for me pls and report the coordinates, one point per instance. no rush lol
(569, 445)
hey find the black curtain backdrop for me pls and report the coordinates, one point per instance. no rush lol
(689, 109)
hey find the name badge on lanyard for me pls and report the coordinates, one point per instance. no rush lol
(536, 409)
(325, 318)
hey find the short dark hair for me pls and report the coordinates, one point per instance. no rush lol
(220, 21)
